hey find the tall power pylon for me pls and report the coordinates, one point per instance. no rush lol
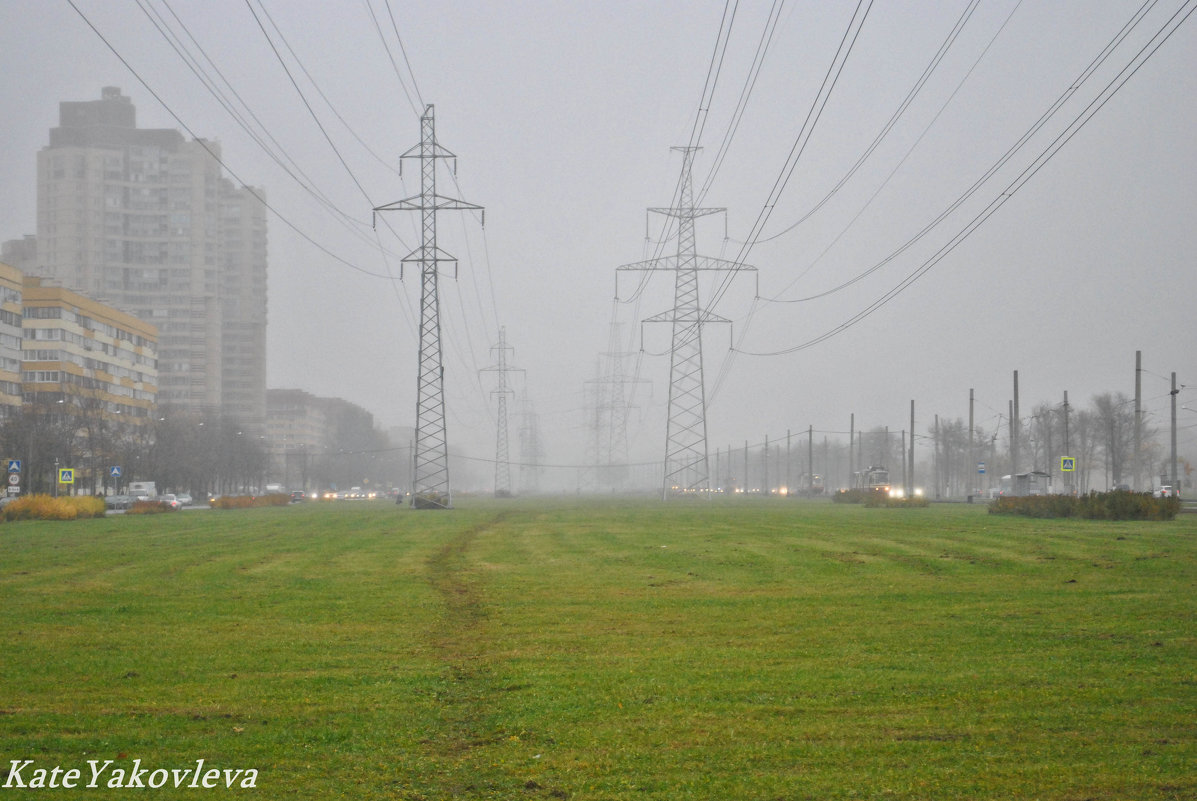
(502, 457)
(686, 468)
(608, 411)
(530, 450)
(430, 482)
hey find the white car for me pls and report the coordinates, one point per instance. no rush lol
(1165, 491)
(171, 500)
(185, 499)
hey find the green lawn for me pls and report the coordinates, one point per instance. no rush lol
(527, 649)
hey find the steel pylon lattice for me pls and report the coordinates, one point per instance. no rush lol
(430, 478)
(503, 392)
(686, 458)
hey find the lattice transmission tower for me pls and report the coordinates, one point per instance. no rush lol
(608, 410)
(503, 392)
(686, 460)
(531, 452)
(430, 480)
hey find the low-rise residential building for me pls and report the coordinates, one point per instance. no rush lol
(87, 355)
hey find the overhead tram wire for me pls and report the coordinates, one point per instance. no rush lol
(1120, 80)
(291, 167)
(215, 157)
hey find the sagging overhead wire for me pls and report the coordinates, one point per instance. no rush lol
(897, 166)
(965, 16)
(1125, 74)
(830, 79)
(274, 150)
(214, 155)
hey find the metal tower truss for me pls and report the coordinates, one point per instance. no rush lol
(430, 483)
(502, 457)
(607, 398)
(686, 467)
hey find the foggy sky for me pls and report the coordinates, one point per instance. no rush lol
(562, 116)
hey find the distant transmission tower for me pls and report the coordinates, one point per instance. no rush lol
(502, 459)
(608, 411)
(530, 450)
(430, 483)
(686, 467)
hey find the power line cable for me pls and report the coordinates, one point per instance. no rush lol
(215, 156)
(1127, 72)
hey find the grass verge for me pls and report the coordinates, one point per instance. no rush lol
(602, 651)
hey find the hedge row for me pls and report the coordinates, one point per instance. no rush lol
(879, 500)
(248, 501)
(149, 508)
(1119, 505)
(46, 507)
(857, 495)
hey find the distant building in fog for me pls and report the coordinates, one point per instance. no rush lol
(144, 219)
(323, 443)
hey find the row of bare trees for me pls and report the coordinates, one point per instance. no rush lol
(179, 451)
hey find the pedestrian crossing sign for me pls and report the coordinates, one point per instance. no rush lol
(66, 475)
(1067, 464)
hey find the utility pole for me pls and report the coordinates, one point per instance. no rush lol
(971, 468)
(686, 458)
(910, 487)
(810, 460)
(502, 458)
(1067, 446)
(1015, 425)
(1138, 485)
(430, 483)
(851, 439)
(1175, 477)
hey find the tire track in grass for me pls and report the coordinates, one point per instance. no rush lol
(460, 642)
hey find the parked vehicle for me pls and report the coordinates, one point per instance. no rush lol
(119, 501)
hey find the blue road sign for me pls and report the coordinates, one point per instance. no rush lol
(115, 471)
(980, 467)
(14, 465)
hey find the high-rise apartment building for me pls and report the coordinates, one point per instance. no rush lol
(144, 219)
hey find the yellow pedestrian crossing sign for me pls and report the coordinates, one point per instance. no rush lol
(66, 475)
(1067, 464)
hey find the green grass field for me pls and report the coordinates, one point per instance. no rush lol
(528, 650)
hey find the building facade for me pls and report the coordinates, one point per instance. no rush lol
(11, 286)
(95, 360)
(144, 219)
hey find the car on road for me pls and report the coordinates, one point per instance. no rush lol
(1164, 491)
(185, 499)
(298, 495)
(170, 500)
(119, 501)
